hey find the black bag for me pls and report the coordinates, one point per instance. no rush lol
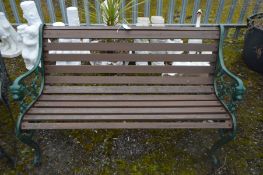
(253, 47)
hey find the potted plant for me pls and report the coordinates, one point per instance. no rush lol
(111, 11)
(253, 47)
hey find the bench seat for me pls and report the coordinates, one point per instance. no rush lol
(59, 110)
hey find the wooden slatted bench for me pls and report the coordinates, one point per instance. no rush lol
(128, 96)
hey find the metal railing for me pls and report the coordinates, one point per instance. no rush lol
(175, 11)
(230, 12)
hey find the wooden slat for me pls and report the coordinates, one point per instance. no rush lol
(121, 46)
(64, 97)
(208, 80)
(133, 34)
(131, 57)
(136, 104)
(130, 125)
(127, 89)
(178, 110)
(129, 69)
(151, 117)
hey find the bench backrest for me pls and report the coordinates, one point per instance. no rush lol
(120, 45)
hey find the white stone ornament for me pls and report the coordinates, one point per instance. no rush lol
(30, 33)
(145, 22)
(158, 21)
(30, 49)
(73, 16)
(30, 13)
(10, 41)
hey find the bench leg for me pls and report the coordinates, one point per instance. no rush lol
(27, 139)
(225, 137)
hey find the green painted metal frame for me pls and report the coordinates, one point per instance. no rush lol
(237, 87)
(21, 91)
(229, 93)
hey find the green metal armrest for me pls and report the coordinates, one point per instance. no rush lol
(27, 93)
(228, 93)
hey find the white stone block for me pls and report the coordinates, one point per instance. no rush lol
(30, 39)
(143, 20)
(30, 12)
(73, 16)
(157, 20)
(30, 33)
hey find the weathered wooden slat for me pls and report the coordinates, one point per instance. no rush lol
(178, 110)
(127, 89)
(151, 34)
(205, 80)
(182, 117)
(113, 98)
(126, 125)
(131, 57)
(120, 46)
(126, 104)
(129, 69)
